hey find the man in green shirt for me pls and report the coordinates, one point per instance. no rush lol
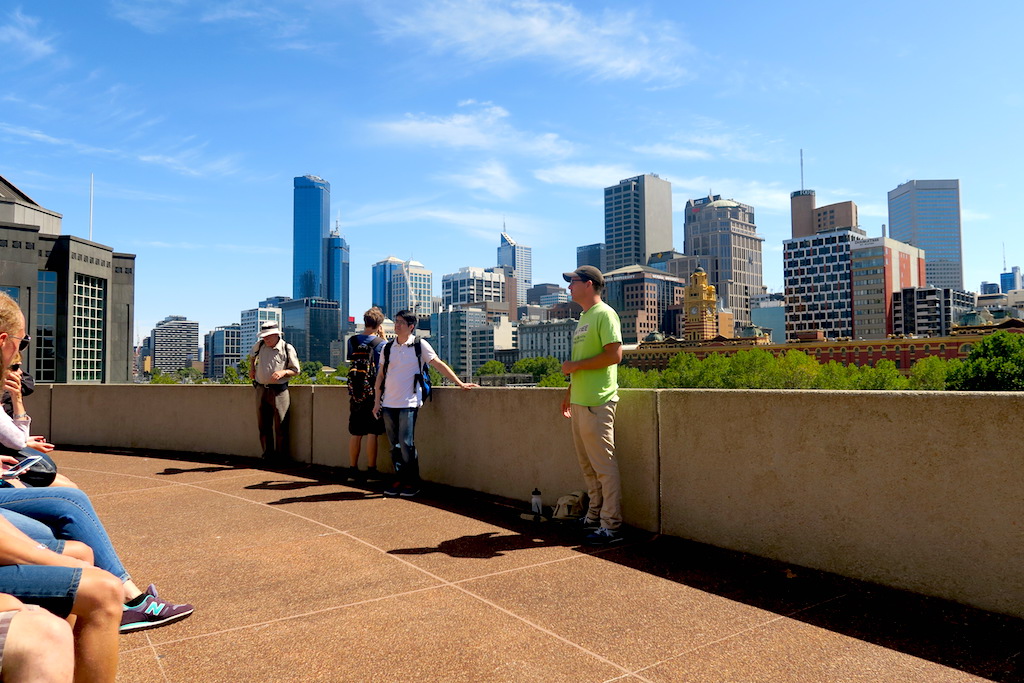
(590, 402)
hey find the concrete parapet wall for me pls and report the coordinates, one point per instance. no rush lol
(922, 491)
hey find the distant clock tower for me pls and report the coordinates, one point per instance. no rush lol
(701, 308)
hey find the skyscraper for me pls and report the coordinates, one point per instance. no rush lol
(310, 325)
(472, 285)
(381, 274)
(1010, 280)
(879, 267)
(721, 233)
(926, 214)
(175, 343)
(819, 296)
(337, 276)
(520, 259)
(807, 218)
(312, 209)
(221, 349)
(253, 318)
(591, 255)
(412, 287)
(637, 220)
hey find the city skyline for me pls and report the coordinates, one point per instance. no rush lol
(437, 135)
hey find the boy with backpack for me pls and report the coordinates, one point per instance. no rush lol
(402, 384)
(364, 360)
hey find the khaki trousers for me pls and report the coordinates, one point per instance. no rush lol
(593, 433)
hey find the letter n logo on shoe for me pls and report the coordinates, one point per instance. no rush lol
(155, 608)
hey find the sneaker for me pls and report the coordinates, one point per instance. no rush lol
(152, 612)
(410, 491)
(394, 490)
(588, 524)
(372, 474)
(603, 536)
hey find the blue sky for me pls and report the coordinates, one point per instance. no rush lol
(438, 121)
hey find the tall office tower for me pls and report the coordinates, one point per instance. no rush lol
(310, 325)
(337, 276)
(1010, 280)
(929, 311)
(591, 255)
(253, 319)
(926, 214)
(642, 297)
(312, 209)
(722, 233)
(381, 274)
(520, 259)
(879, 267)
(472, 285)
(817, 283)
(78, 296)
(222, 349)
(806, 218)
(175, 343)
(412, 290)
(637, 220)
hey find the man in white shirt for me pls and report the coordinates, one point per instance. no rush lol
(398, 396)
(272, 362)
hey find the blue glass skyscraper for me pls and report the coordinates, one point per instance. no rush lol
(926, 214)
(382, 274)
(312, 207)
(337, 275)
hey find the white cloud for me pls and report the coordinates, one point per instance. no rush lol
(484, 127)
(20, 37)
(771, 197)
(612, 46)
(492, 177)
(583, 176)
(151, 16)
(673, 152)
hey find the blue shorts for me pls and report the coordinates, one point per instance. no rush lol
(52, 588)
(37, 531)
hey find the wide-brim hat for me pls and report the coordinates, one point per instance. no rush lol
(269, 328)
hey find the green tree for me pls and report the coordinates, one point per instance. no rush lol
(836, 376)
(752, 369)
(996, 363)
(929, 374)
(492, 367)
(555, 379)
(884, 376)
(797, 370)
(159, 377)
(189, 376)
(539, 367)
(632, 378)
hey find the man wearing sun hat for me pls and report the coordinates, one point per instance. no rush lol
(590, 402)
(271, 362)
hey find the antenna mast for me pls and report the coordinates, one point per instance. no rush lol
(801, 170)
(92, 185)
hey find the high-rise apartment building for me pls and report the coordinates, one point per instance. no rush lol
(721, 233)
(637, 220)
(591, 255)
(926, 214)
(310, 325)
(520, 259)
(818, 291)
(381, 274)
(222, 349)
(253, 319)
(78, 296)
(175, 343)
(452, 336)
(879, 267)
(312, 211)
(929, 311)
(472, 285)
(412, 290)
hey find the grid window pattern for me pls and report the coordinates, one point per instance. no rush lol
(46, 327)
(89, 308)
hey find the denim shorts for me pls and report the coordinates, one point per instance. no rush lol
(52, 588)
(37, 531)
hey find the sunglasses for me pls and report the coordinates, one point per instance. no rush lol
(23, 344)
(15, 367)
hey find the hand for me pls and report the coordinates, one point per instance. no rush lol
(12, 383)
(277, 375)
(568, 367)
(39, 443)
(8, 460)
(376, 407)
(470, 385)
(566, 409)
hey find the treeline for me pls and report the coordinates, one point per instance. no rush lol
(996, 363)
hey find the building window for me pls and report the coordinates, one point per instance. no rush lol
(88, 328)
(46, 327)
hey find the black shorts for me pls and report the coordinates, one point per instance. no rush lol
(361, 420)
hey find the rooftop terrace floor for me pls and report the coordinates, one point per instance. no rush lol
(298, 578)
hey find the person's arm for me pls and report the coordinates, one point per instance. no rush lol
(611, 354)
(291, 366)
(443, 368)
(377, 384)
(14, 431)
(566, 402)
(17, 548)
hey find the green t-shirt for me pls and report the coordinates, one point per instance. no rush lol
(597, 327)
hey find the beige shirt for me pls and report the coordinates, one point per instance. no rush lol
(274, 358)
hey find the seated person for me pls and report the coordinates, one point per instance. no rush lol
(35, 646)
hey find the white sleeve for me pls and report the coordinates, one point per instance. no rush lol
(13, 434)
(427, 352)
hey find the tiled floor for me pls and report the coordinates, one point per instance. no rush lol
(298, 578)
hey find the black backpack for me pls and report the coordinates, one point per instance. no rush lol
(421, 379)
(362, 371)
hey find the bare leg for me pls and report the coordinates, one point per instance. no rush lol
(98, 611)
(39, 649)
(79, 551)
(371, 450)
(354, 442)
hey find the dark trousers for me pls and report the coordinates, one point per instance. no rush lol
(400, 424)
(272, 416)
